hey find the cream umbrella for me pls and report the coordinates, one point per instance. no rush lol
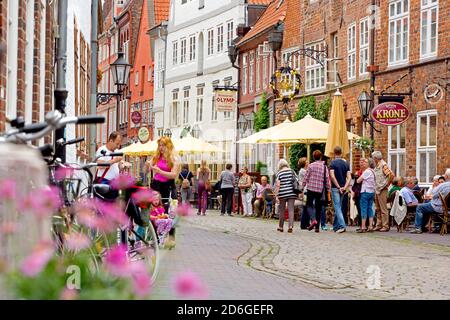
(190, 144)
(132, 148)
(254, 138)
(337, 135)
(307, 130)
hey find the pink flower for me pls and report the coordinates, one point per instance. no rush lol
(144, 196)
(184, 210)
(68, 294)
(189, 285)
(77, 242)
(38, 260)
(8, 189)
(142, 282)
(123, 182)
(8, 227)
(113, 213)
(62, 173)
(117, 262)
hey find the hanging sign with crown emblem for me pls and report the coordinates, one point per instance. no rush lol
(285, 83)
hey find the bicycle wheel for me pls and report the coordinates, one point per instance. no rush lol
(146, 248)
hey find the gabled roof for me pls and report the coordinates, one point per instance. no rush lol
(275, 13)
(259, 2)
(161, 11)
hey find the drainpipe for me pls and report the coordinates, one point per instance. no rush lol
(94, 67)
(372, 70)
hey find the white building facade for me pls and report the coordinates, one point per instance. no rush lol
(196, 61)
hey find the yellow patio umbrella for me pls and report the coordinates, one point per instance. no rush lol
(337, 135)
(129, 150)
(307, 130)
(254, 138)
(190, 144)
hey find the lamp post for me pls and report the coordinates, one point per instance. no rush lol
(365, 105)
(168, 133)
(195, 131)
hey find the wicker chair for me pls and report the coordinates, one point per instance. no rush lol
(445, 215)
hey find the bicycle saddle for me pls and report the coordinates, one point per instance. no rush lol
(102, 189)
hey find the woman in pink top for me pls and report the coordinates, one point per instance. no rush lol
(165, 167)
(367, 195)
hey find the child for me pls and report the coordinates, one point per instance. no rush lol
(160, 219)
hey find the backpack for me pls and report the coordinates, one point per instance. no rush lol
(185, 183)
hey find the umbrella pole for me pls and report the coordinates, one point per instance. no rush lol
(308, 151)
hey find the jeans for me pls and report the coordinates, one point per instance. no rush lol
(186, 195)
(337, 197)
(314, 201)
(366, 203)
(423, 208)
(202, 198)
(227, 199)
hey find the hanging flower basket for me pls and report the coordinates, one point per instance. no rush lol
(364, 144)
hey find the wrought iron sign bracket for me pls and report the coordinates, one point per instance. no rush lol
(105, 98)
(319, 56)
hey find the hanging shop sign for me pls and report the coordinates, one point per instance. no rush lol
(136, 117)
(225, 100)
(285, 83)
(143, 134)
(390, 113)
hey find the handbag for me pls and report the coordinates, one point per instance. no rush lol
(324, 197)
(295, 184)
(185, 184)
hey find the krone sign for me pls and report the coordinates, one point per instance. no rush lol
(225, 100)
(390, 113)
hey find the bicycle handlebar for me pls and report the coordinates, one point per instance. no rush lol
(73, 141)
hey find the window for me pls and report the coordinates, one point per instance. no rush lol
(397, 150)
(160, 132)
(292, 60)
(244, 73)
(199, 109)
(428, 28)
(174, 52)
(136, 78)
(351, 52)
(149, 74)
(161, 72)
(213, 109)
(144, 113)
(251, 72)
(332, 72)
(183, 51)
(363, 45)
(125, 50)
(230, 34)
(315, 73)
(220, 38)
(265, 72)
(186, 107)
(258, 73)
(426, 145)
(210, 42)
(192, 48)
(398, 31)
(227, 148)
(227, 114)
(174, 111)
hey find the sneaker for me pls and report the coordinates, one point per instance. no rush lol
(324, 228)
(417, 231)
(340, 230)
(312, 225)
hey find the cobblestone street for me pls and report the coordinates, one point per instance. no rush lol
(246, 258)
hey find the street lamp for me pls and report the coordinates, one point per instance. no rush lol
(365, 104)
(195, 131)
(242, 123)
(168, 133)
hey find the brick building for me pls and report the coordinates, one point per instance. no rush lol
(26, 78)
(411, 52)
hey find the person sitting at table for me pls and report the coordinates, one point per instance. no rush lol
(259, 195)
(429, 194)
(441, 179)
(416, 184)
(397, 184)
(407, 192)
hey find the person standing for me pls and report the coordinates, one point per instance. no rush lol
(367, 195)
(187, 183)
(165, 166)
(245, 185)
(340, 180)
(316, 179)
(227, 189)
(203, 176)
(284, 189)
(383, 179)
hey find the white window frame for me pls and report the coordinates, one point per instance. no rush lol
(174, 53)
(192, 48)
(257, 71)
(294, 59)
(425, 149)
(397, 150)
(199, 107)
(174, 109)
(397, 58)
(183, 49)
(220, 38)
(230, 32)
(186, 106)
(244, 73)
(136, 78)
(265, 72)
(427, 8)
(351, 51)
(210, 42)
(312, 68)
(364, 40)
(251, 71)
(161, 69)
(125, 50)
(213, 109)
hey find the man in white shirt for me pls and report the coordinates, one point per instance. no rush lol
(106, 175)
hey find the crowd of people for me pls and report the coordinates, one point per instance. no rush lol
(317, 185)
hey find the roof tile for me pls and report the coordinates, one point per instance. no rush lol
(161, 10)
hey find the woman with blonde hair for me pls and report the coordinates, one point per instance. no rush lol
(165, 166)
(203, 174)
